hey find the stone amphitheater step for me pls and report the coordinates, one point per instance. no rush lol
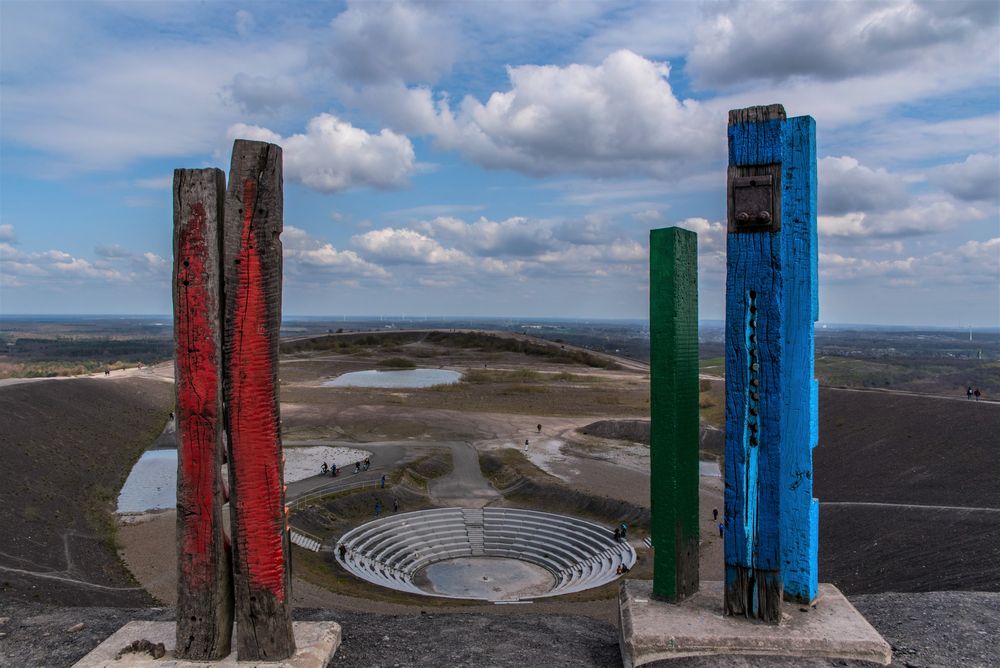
(474, 529)
(578, 553)
(305, 541)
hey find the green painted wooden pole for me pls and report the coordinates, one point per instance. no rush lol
(673, 398)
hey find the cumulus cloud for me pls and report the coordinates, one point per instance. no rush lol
(618, 117)
(243, 22)
(134, 101)
(333, 155)
(974, 262)
(375, 42)
(977, 178)
(832, 40)
(305, 256)
(405, 246)
(115, 265)
(261, 94)
(847, 186)
(7, 233)
(927, 214)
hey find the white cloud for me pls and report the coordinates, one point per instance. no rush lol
(405, 246)
(374, 42)
(333, 155)
(261, 94)
(7, 233)
(847, 186)
(926, 214)
(155, 183)
(618, 117)
(831, 41)
(974, 262)
(134, 101)
(244, 23)
(307, 257)
(975, 179)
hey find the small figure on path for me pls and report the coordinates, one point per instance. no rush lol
(539, 429)
(357, 467)
(107, 372)
(525, 444)
(383, 481)
(624, 531)
(343, 550)
(618, 571)
(715, 514)
(324, 469)
(395, 504)
(720, 530)
(977, 393)
(171, 415)
(968, 392)
(618, 535)
(378, 508)
(333, 469)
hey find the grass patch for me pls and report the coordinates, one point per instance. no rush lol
(397, 363)
(505, 467)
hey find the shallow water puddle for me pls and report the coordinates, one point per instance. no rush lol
(407, 378)
(152, 483)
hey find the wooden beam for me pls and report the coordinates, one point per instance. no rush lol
(771, 518)
(673, 332)
(204, 579)
(252, 255)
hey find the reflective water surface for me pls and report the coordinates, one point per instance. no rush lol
(405, 378)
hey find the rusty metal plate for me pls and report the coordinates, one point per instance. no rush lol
(754, 202)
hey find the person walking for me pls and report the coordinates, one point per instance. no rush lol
(378, 508)
(324, 469)
(383, 481)
(968, 393)
(395, 504)
(978, 394)
(721, 527)
(618, 535)
(715, 514)
(539, 429)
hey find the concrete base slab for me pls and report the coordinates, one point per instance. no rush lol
(653, 630)
(316, 643)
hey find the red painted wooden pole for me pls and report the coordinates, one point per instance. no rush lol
(252, 258)
(204, 580)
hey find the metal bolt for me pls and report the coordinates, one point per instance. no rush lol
(754, 396)
(753, 410)
(765, 216)
(753, 440)
(753, 323)
(755, 367)
(754, 382)
(743, 217)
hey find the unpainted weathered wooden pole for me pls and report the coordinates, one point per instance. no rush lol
(673, 391)
(252, 256)
(771, 518)
(204, 578)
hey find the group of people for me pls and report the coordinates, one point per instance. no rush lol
(969, 393)
(378, 506)
(360, 466)
(621, 532)
(622, 568)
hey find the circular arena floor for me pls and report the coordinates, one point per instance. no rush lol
(495, 554)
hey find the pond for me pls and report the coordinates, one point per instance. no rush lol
(152, 483)
(410, 378)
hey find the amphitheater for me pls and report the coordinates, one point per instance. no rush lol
(393, 551)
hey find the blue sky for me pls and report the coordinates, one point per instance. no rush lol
(499, 158)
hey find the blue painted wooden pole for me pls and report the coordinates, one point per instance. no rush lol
(770, 516)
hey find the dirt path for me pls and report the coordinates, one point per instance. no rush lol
(465, 486)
